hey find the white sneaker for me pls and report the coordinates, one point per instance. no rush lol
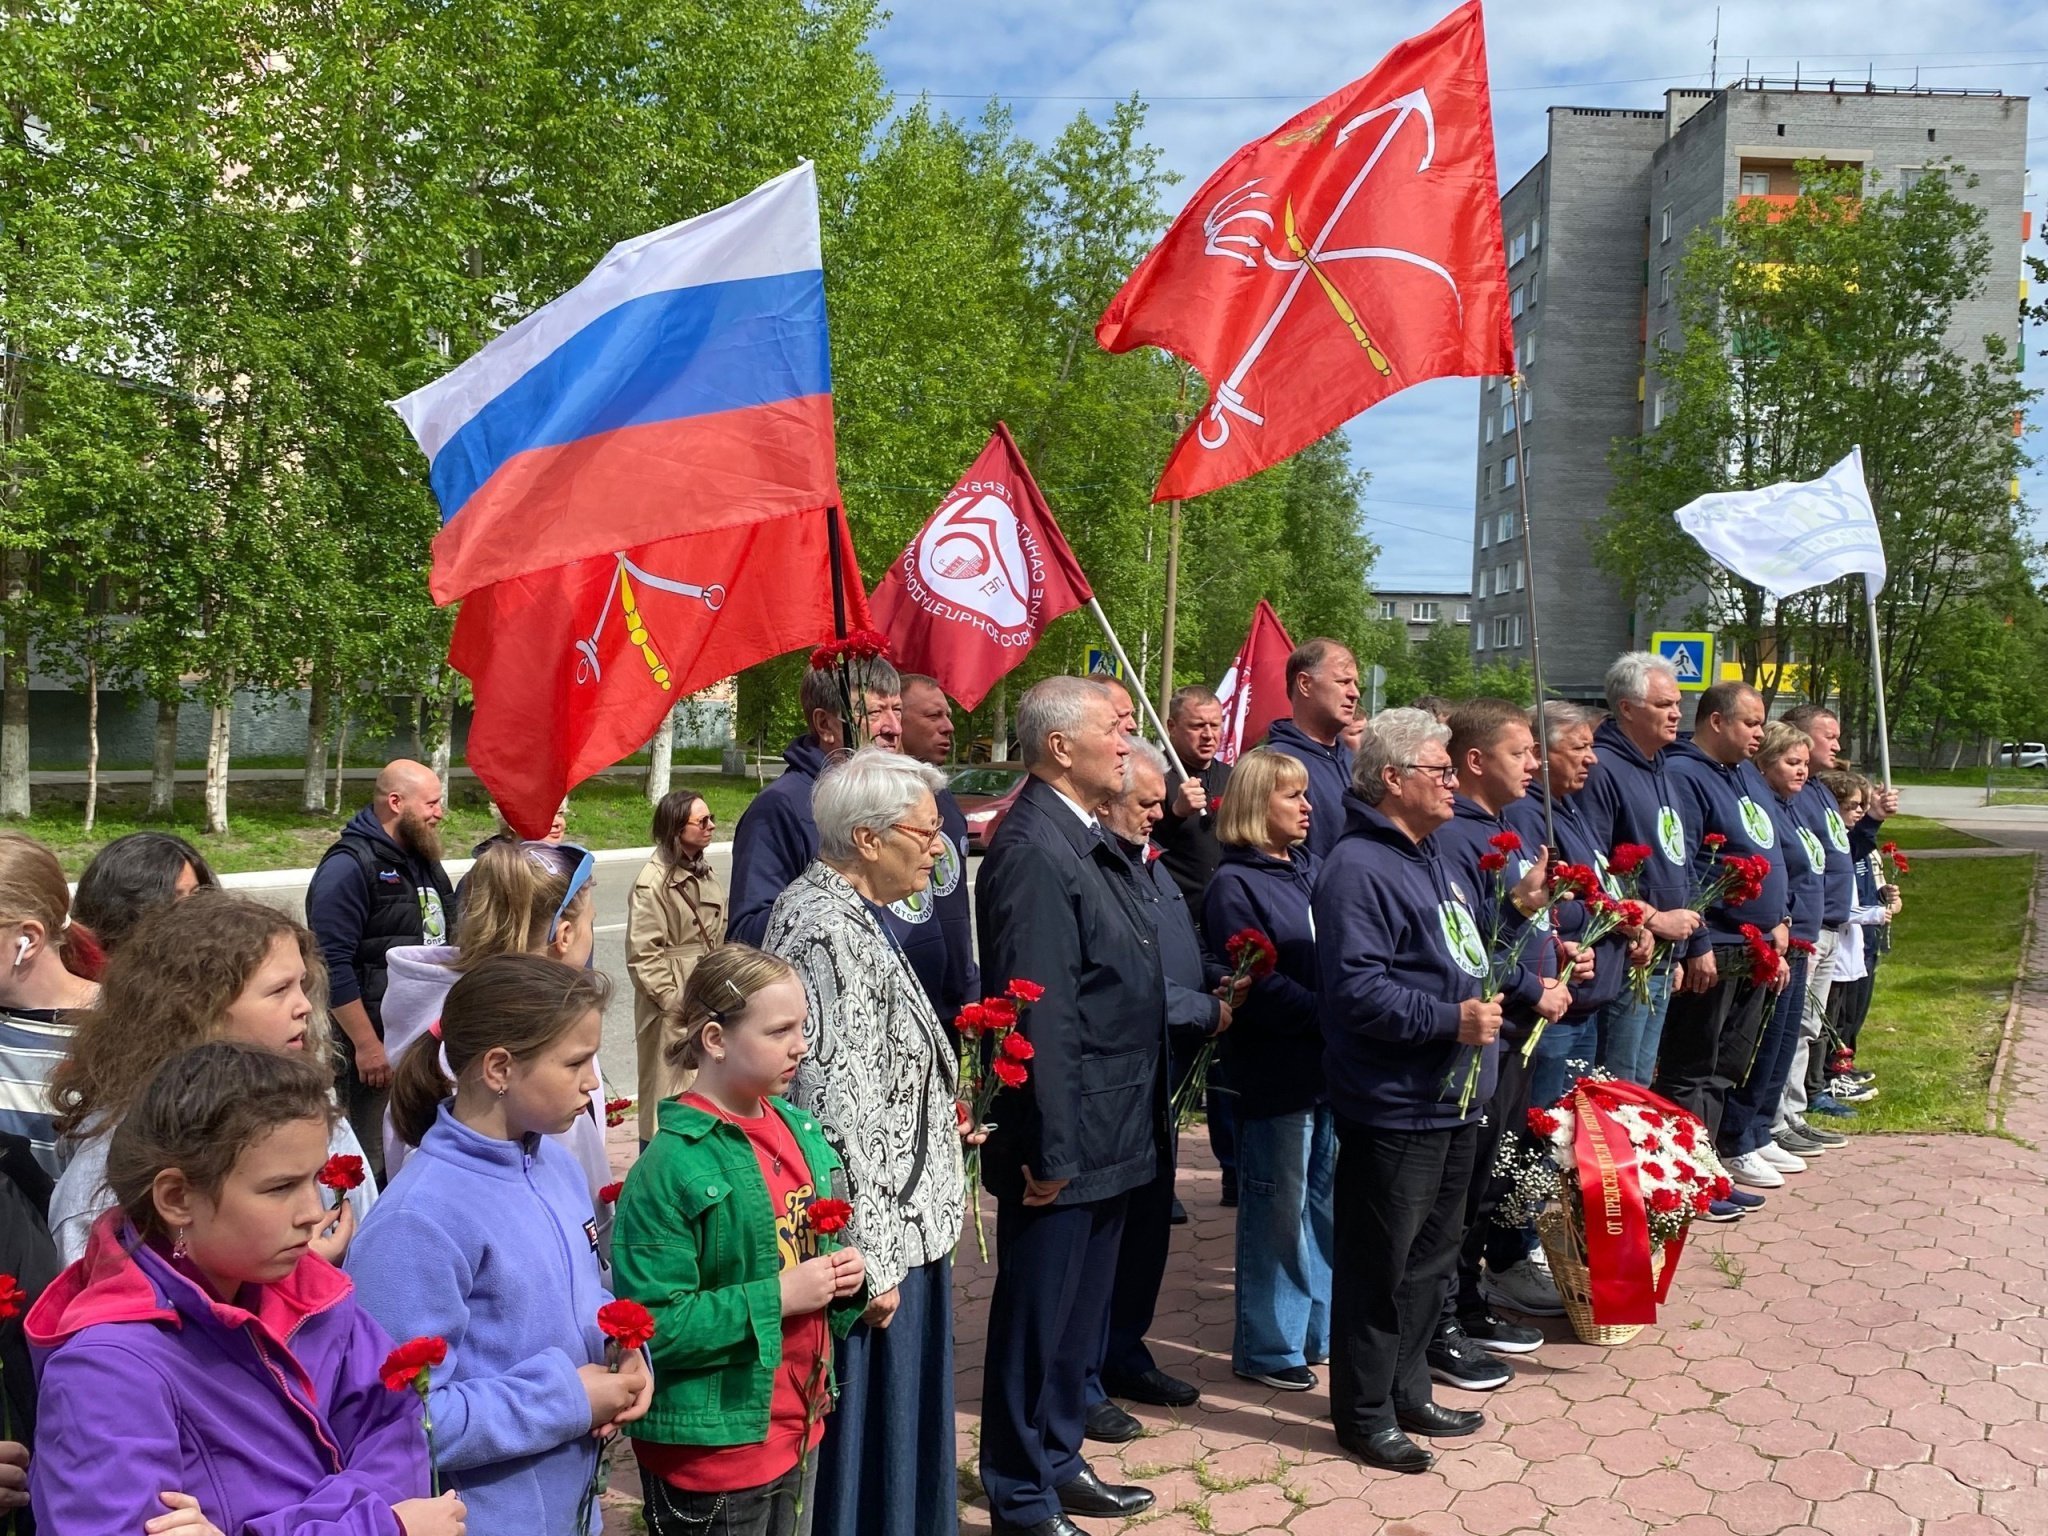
(1751, 1169)
(1523, 1288)
(1780, 1159)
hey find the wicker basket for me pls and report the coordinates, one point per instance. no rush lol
(1564, 1243)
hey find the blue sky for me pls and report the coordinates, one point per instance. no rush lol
(1217, 74)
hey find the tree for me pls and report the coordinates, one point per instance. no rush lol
(1806, 331)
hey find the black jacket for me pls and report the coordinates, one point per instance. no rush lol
(1187, 845)
(367, 898)
(1059, 905)
(1192, 1009)
(1274, 1050)
(27, 1254)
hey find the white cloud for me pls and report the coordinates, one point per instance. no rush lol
(1218, 73)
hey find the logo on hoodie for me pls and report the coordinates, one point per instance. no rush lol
(1816, 855)
(1756, 822)
(1838, 831)
(919, 905)
(1671, 834)
(1461, 938)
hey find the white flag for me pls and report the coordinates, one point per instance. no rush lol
(1796, 534)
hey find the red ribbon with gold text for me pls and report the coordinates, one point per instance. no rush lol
(1611, 1195)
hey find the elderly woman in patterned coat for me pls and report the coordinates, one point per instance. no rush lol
(882, 1079)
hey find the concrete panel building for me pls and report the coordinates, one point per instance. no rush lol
(1420, 612)
(1594, 234)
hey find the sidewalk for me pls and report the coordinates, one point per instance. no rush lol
(1867, 1356)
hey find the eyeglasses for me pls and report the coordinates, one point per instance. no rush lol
(1445, 774)
(926, 835)
(579, 877)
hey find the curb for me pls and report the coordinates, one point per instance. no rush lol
(260, 879)
(2008, 1035)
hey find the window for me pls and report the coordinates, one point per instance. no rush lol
(1464, 613)
(1756, 183)
(1500, 579)
(1507, 527)
(1535, 279)
(1485, 532)
(1665, 225)
(1488, 418)
(1535, 233)
(1663, 344)
(1528, 350)
(1486, 479)
(1390, 610)
(1520, 576)
(1423, 613)
(1909, 179)
(1518, 248)
(1664, 286)
(1528, 403)
(1507, 418)
(1507, 631)
(1507, 474)
(1657, 409)
(1479, 638)
(1515, 302)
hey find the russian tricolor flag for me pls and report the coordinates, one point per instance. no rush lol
(685, 385)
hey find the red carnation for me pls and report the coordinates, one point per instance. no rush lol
(1493, 863)
(341, 1172)
(1542, 1123)
(1687, 1174)
(408, 1365)
(1012, 1074)
(1702, 1202)
(1017, 1048)
(962, 1114)
(1800, 947)
(1653, 1170)
(1634, 914)
(627, 1322)
(1712, 841)
(1021, 991)
(609, 1195)
(1506, 842)
(1002, 1013)
(1251, 953)
(829, 1216)
(1627, 858)
(11, 1297)
(972, 1019)
(1665, 1200)
(1723, 1187)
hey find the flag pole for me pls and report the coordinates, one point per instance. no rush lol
(1535, 645)
(1137, 689)
(1884, 735)
(838, 576)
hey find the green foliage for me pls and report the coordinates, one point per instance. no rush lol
(1807, 331)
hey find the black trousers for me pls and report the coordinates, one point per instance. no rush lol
(1055, 1265)
(1400, 1198)
(1485, 1240)
(1134, 1292)
(1710, 1039)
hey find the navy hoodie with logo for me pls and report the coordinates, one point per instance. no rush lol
(1273, 1050)
(1461, 843)
(1734, 801)
(1397, 952)
(1821, 814)
(1576, 845)
(1329, 781)
(1630, 798)
(778, 837)
(1805, 866)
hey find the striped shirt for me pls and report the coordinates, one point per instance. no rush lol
(32, 1042)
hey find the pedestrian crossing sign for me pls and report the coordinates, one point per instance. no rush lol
(1102, 664)
(1691, 656)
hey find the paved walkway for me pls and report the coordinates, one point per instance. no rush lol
(1867, 1356)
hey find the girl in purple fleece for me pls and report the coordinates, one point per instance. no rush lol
(202, 1369)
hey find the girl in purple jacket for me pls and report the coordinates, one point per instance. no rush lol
(202, 1369)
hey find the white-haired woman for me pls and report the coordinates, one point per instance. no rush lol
(880, 1075)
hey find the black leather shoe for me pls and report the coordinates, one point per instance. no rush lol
(1155, 1386)
(1058, 1525)
(1387, 1449)
(1437, 1420)
(1109, 1424)
(1179, 1218)
(1089, 1495)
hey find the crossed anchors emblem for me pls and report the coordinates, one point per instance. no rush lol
(1238, 227)
(623, 575)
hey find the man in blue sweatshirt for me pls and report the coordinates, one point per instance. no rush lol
(1628, 798)
(1711, 1027)
(936, 926)
(1494, 752)
(1402, 966)
(1322, 695)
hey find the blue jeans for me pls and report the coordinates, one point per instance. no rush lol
(1630, 1032)
(1565, 1051)
(1753, 1103)
(1285, 1236)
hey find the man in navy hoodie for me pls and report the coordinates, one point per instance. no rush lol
(1629, 798)
(936, 926)
(1402, 965)
(1322, 695)
(777, 838)
(1715, 1016)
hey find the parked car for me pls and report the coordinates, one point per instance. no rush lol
(2023, 754)
(986, 791)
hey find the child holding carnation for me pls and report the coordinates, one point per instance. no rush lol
(719, 1226)
(204, 1369)
(485, 1239)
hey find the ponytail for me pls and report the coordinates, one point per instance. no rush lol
(517, 1003)
(510, 900)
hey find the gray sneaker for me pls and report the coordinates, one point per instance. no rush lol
(1821, 1134)
(1799, 1143)
(1522, 1288)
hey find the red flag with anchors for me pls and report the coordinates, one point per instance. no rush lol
(1353, 252)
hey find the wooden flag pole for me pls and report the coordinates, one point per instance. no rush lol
(1137, 688)
(1535, 646)
(1884, 735)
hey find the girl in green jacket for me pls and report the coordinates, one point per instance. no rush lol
(725, 1233)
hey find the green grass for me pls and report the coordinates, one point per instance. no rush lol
(1971, 776)
(1911, 832)
(1933, 1031)
(267, 830)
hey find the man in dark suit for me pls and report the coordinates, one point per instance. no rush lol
(1059, 906)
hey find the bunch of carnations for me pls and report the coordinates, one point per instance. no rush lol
(993, 1056)
(861, 645)
(1674, 1162)
(1737, 878)
(1604, 914)
(847, 658)
(1760, 956)
(616, 1110)
(1503, 954)
(822, 1218)
(1252, 954)
(1900, 864)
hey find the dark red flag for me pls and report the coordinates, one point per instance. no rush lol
(971, 594)
(1355, 251)
(574, 667)
(1254, 691)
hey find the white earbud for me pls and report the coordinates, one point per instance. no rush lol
(21, 951)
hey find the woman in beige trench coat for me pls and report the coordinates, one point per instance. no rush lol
(675, 916)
